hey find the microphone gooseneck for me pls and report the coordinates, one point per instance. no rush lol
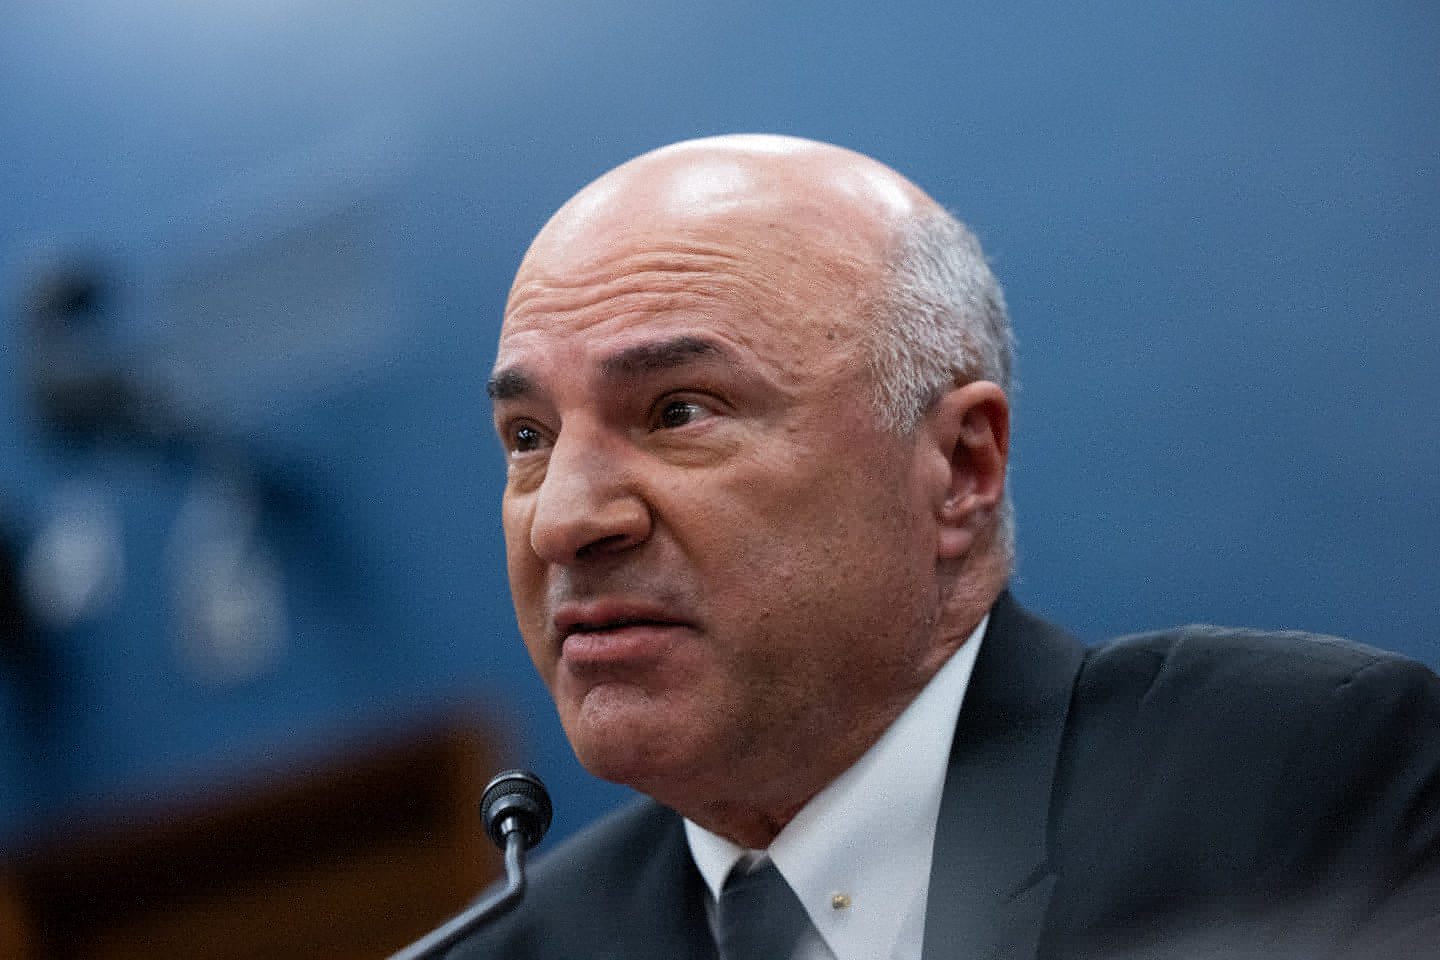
(515, 809)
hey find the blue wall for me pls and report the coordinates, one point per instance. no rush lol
(1218, 224)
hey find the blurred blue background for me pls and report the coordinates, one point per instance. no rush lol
(290, 228)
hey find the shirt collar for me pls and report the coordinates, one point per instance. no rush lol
(858, 854)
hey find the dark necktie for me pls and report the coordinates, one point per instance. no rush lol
(758, 916)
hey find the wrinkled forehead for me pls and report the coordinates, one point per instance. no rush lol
(763, 286)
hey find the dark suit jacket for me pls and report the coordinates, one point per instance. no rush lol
(1195, 793)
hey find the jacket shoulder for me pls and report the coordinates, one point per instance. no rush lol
(1242, 698)
(1200, 650)
(1278, 672)
(1249, 769)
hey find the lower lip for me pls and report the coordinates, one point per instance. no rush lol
(623, 645)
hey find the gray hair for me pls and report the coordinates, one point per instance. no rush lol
(938, 319)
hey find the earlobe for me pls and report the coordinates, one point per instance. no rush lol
(971, 425)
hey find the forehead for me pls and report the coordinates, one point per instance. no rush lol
(623, 341)
(762, 290)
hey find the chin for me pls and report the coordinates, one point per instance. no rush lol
(642, 762)
(638, 769)
(626, 735)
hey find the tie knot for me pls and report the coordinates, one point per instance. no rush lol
(758, 915)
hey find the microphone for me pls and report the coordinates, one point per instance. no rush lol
(515, 809)
(515, 802)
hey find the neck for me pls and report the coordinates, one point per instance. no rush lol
(753, 829)
(765, 790)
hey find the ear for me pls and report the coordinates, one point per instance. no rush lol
(970, 427)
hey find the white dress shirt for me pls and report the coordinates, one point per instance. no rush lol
(858, 854)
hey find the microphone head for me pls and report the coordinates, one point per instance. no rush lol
(515, 801)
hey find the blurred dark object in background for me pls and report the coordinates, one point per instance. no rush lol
(81, 390)
(93, 391)
(349, 859)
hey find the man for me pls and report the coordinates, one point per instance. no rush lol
(753, 395)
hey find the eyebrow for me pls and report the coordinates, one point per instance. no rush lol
(629, 364)
(636, 361)
(508, 384)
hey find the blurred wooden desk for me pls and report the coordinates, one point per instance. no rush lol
(348, 860)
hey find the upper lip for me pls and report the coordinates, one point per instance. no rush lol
(611, 613)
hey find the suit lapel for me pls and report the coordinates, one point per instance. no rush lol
(991, 878)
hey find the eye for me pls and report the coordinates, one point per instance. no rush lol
(678, 413)
(524, 438)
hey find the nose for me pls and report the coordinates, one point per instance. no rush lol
(588, 504)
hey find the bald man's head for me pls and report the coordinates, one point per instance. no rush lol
(756, 465)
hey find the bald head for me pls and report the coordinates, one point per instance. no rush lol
(830, 197)
(928, 308)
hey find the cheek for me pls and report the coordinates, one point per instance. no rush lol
(830, 517)
(824, 543)
(527, 581)
(792, 554)
(516, 517)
